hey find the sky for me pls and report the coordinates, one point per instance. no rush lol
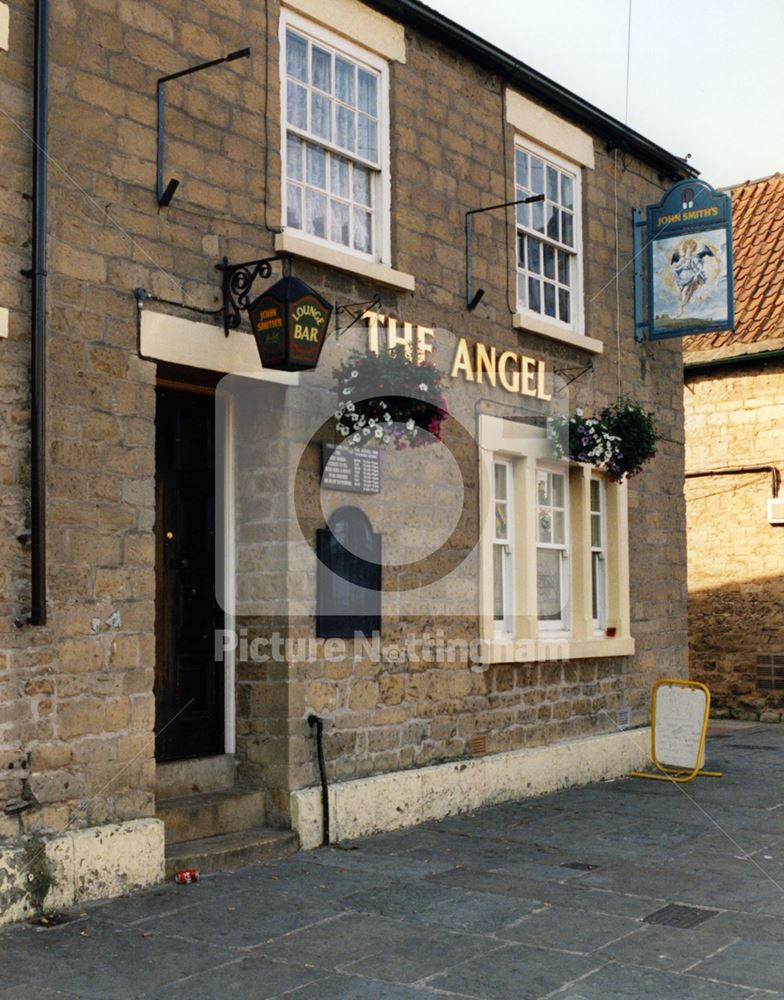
(705, 78)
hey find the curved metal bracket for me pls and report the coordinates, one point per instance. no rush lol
(237, 283)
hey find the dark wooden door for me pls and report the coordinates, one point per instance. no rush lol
(188, 682)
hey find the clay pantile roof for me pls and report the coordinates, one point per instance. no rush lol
(758, 249)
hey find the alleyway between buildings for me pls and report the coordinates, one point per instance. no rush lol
(538, 898)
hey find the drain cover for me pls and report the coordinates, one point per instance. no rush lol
(580, 866)
(680, 915)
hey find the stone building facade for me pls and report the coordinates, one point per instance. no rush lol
(429, 123)
(733, 404)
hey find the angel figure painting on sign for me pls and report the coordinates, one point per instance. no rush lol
(690, 280)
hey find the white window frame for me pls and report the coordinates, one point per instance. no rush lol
(562, 623)
(505, 547)
(539, 322)
(383, 185)
(526, 449)
(599, 552)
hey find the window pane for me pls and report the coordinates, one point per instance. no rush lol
(367, 142)
(596, 498)
(534, 295)
(564, 306)
(549, 299)
(498, 583)
(293, 206)
(362, 185)
(596, 570)
(523, 211)
(545, 525)
(345, 127)
(559, 527)
(338, 176)
(520, 250)
(501, 521)
(596, 531)
(549, 261)
(521, 169)
(294, 157)
(315, 213)
(537, 175)
(537, 216)
(543, 487)
(322, 69)
(534, 255)
(548, 584)
(338, 223)
(317, 166)
(362, 231)
(558, 483)
(567, 192)
(500, 482)
(552, 184)
(296, 56)
(564, 268)
(552, 222)
(321, 116)
(296, 105)
(522, 289)
(567, 227)
(368, 93)
(344, 81)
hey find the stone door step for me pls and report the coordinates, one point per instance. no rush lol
(230, 850)
(185, 777)
(193, 817)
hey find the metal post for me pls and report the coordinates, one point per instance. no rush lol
(638, 224)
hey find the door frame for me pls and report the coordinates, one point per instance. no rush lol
(225, 574)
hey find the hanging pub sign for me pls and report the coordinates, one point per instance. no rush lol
(289, 323)
(690, 261)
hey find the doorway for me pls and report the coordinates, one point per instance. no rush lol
(189, 683)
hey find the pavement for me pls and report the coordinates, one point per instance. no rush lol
(551, 897)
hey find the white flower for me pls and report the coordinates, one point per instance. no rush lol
(355, 439)
(388, 418)
(423, 386)
(347, 392)
(365, 431)
(379, 433)
(342, 429)
(409, 425)
(350, 407)
(372, 422)
(382, 404)
(355, 374)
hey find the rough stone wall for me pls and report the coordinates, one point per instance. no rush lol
(76, 696)
(736, 589)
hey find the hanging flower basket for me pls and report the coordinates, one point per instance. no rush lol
(620, 440)
(386, 399)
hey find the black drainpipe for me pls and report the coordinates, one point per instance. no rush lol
(314, 720)
(38, 274)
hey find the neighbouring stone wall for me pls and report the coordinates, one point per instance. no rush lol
(735, 417)
(76, 700)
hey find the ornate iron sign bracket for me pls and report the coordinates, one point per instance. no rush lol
(356, 310)
(237, 283)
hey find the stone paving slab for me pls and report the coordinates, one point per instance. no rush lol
(475, 907)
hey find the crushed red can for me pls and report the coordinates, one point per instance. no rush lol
(186, 876)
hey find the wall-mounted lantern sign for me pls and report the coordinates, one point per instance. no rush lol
(289, 320)
(289, 323)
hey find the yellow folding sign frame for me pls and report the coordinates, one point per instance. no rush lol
(679, 723)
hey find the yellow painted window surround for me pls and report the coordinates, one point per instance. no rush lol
(572, 546)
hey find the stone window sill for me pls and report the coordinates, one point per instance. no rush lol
(533, 324)
(300, 246)
(543, 649)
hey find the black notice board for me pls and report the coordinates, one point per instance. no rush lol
(348, 578)
(355, 470)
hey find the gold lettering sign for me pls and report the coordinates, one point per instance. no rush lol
(515, 373)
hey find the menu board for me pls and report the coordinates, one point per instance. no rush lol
(680, 718)
(354, 470)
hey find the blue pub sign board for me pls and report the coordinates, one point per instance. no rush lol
(689, 261)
